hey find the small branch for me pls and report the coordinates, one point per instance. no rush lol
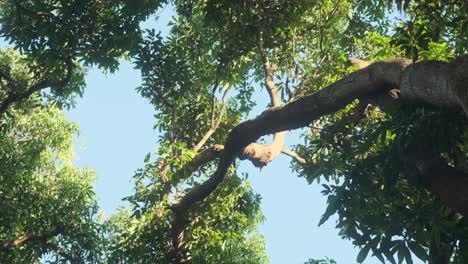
(293, 66)
(261, 48)
(163, 99)
(332, 14)
(213, 105)
(60, 252)
(286, 85)
(215, 125)
(293, 155)
(322, 53)
(33, 13)
(269, 73)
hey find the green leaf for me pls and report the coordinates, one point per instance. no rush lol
(419, 251)
(379, 256)
(331, 209)
(389, 257)
(344, 229)
(147, 157)
(407, 254)
(404, 254)
(363, 254)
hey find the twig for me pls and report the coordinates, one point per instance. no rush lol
(215, 125)
(293, 155)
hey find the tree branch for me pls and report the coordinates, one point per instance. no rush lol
(213, 105)
(30, 238)
(359, 62)
(202, 159)
(60, 252)
(163, 99)
(215, 125)
(377, 78)
(33, 13)
(293, 155)
(447, 182)
(293, 115)
(15, 97)
(269, 70)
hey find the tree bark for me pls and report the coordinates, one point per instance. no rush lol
(443, 180)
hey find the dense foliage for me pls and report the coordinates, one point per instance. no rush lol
(201, 78)
(47, 205)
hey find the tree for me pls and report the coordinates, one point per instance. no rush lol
(388, 132)
(321, 261)
(47, 206)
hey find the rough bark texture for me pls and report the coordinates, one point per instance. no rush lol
(436, 83)
(447, 182)
(447, 90)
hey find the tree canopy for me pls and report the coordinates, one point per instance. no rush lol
(381, 85)
(47, 205)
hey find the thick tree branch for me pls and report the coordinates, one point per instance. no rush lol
(359, 62)
(16, 97)
(377, 78)
(437, 83)
(30, 238)
(447, 182)
(202, 159)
